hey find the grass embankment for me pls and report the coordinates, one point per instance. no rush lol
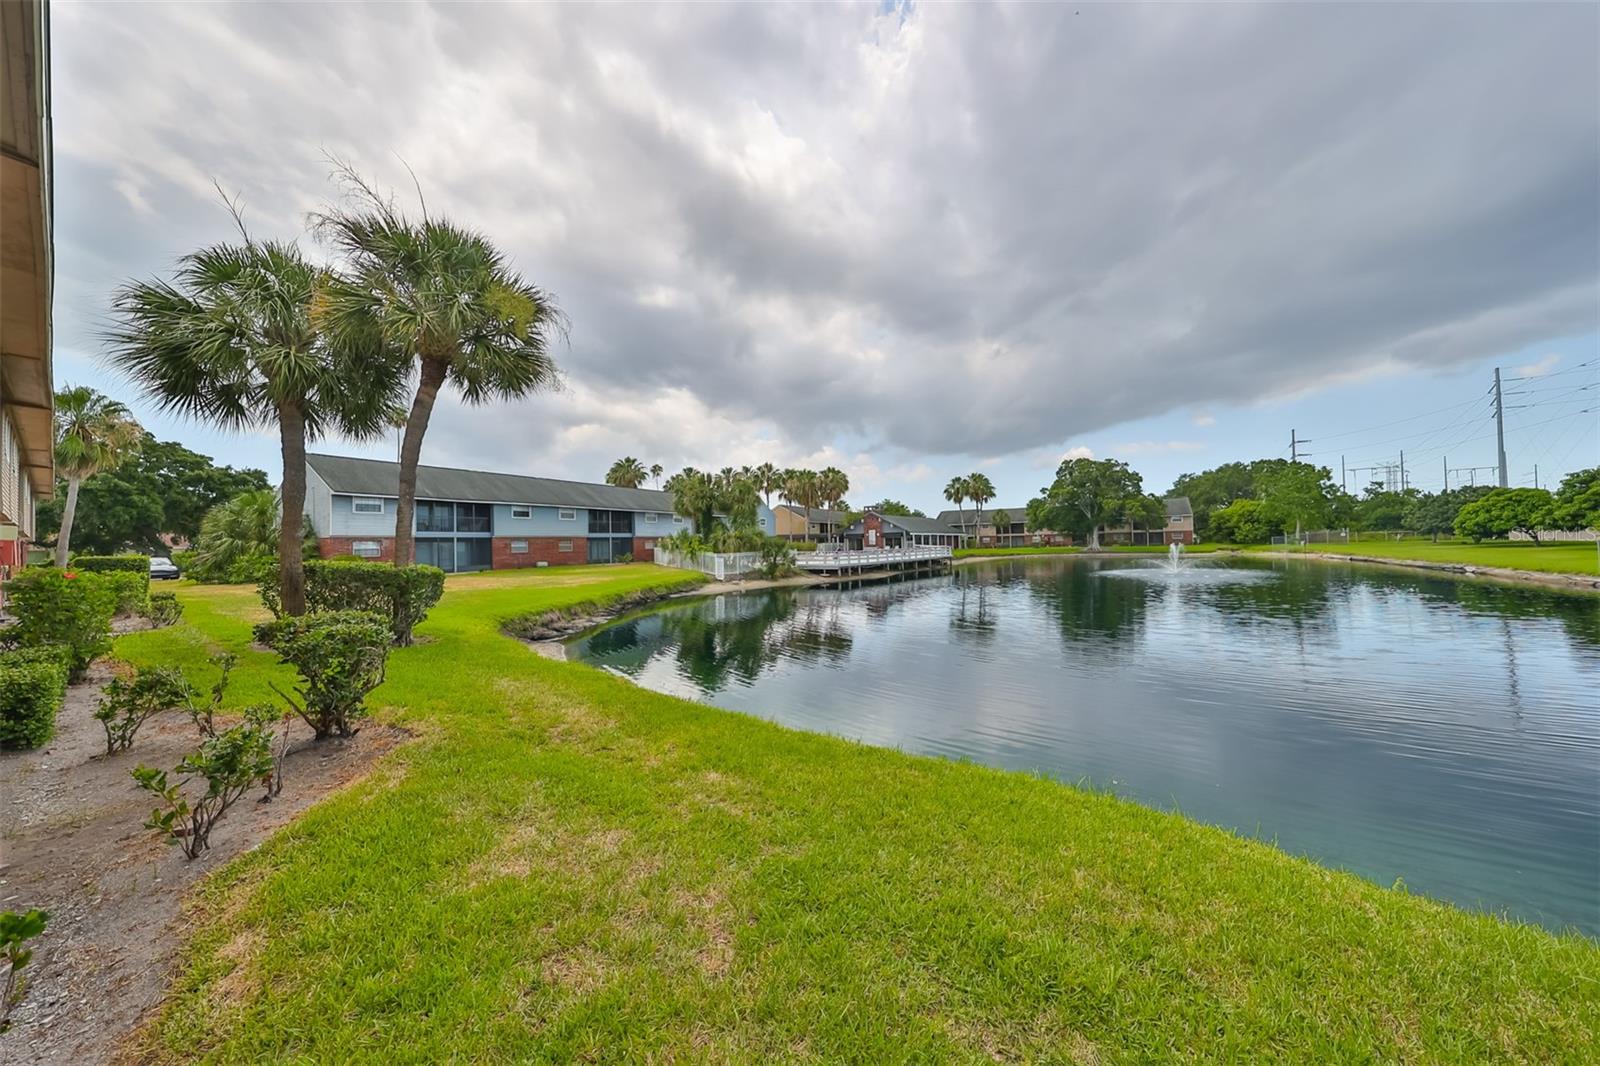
(997, 553)
(1555, 558)
(563, 866)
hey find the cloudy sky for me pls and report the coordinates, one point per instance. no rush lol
(908, 241)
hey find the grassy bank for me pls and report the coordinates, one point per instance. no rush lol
(1563, 558)
(565, 866)
(999, 553)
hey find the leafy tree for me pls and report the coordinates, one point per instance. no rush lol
(1241, 522)
(701, 497)
(1147, 512)
(162, 489)
(1381, 509)
(93, 433)
(980, 490)
(1503, 511)
(1436, 512)
(444, 296)
(627, 473)
(1577, 502)
(1086, 494)
(1296, 493)
(237, 340)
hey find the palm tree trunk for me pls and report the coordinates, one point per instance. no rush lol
(68, 513)
(433, 375)
(291, 519)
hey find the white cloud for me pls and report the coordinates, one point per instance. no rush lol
(1539, 368)
(1203, 420)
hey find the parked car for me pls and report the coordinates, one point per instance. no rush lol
(163, 569)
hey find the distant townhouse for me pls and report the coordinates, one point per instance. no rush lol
(477, 520)
(1179, 527)
(987, 533)
(963, 528)
(27, 463)
(808, 523)
(876, 530)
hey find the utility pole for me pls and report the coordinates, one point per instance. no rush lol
(1500, 425)
(1342, 487)
(1447, 473)
(1402, 470)
(1294, 448)
(1535, 475)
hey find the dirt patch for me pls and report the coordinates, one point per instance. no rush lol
(74, 844)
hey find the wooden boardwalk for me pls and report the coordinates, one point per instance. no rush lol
(840, 561)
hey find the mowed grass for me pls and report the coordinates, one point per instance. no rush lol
(1557, 558)
(562, 866)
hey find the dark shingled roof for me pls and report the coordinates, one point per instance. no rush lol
(379, 477)
(1178, 507)
(814, 514)
(953, 518)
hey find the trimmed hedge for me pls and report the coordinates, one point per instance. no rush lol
(402, 594)
(66, 607)
(33, 682)
(340, 656)
(102, 564)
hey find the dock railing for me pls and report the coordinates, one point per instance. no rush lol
(724, 566)
(870, 558)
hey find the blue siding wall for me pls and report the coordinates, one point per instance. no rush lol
(344, 522)
(546, 522)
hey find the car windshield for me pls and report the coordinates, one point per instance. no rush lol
(157, 560)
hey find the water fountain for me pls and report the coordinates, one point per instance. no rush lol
(1175, 555)
(1178, 571)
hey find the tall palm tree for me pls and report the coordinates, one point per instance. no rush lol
(93, 433)
(980, 490)
(627, 473)
(237, 340)
(832, 484)
(656, 470)
(768, 479)
(956, 491)
(446, 297)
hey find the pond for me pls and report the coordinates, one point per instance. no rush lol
(1440, 731)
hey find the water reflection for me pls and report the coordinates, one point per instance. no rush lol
(1401, 725)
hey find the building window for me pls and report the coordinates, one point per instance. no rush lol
(521, 510)
(567, 514)
(433, 517)
(473, 517)
(519, 547)
(649, 545)
(650, 518)
(677, 519)
(564, 546)
(366, 549)
(366, 505)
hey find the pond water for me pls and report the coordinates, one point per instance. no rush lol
(1441, 731)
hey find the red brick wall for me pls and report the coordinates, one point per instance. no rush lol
(641, 554)
(328, 547)
(540, 550)
(872, 531)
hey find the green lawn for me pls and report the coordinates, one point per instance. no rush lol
(562, 866)
(1563, 558)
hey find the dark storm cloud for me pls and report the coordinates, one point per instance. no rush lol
(966, 229)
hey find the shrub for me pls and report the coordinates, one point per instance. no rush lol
(625, 557)
(125, 705)
(109, 564)
(229, 763)
(132, 591)
(16, 930)
(264, 716)
(33, 682)
(340, 656)
(183, 559)
(777, 558)
(803, 545)
(204, 715)
(163, 608)
(402, 594)
(63, 607)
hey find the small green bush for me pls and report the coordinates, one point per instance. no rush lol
(163, 608)
(777, 558)
(131, 590)
(108, 564)
(402, 594)
(229, 763)
(33, 682)
(16, 930)
(340, 656)
(125, 705)
(66, 607)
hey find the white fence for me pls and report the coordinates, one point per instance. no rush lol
(721, 565)
(1582, 536)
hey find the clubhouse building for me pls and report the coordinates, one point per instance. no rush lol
(475, 520)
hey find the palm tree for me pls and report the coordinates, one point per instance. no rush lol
(957, 492)
(980, 490)
(768, 479)
(694, 496)
(656, 471)
(447, 298)
(93, 433)
(627, 473)
(237, 341)
(832, 484)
